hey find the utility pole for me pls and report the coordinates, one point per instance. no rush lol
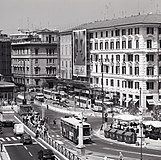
(102, 90)
(24, 101)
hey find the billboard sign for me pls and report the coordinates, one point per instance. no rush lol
(80, 53)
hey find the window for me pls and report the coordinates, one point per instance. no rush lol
(117, 32)
(150, 30)
(137, 43)
(66, 63)
(123, 31)
(136, 30)
(111, 33)
(91, 46)
(159, 43)
(106, 33)
(112, 68)
(97, 80)
(112, 58)
(130, 70)
(149, 43)
(117, 57)
(101, 45)
(36, 51)
(159, 70)
(123, 84)
(150, 71)
(136, 58)
(118, 45)
(136, 85)
(96, 58)
(130, 84)
(130, 57)
(96, 68)
(106, 45)
(95, 34)
(130, 31)
(118, 83)
(123, 44)
(101, 34)
(112, 84)
(96, 45)
(149, 85)
(62, 63)
(123, 69)
(36, 61)
(124, 58)
(117, 69)
(130, 44)
(111, 45)
(106, 82)
(91, 35)
(136, 70)
(150, 57)
(107, 69)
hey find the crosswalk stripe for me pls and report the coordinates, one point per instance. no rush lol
(2, 139)
(14, 138)
(8, 139)
(18, 137)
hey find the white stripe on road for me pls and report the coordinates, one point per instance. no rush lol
(8, 139)
(14, 138)
(30, 154)
(18, 138)
(2, 139)
(25, 147)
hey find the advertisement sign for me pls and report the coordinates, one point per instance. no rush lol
(79, 55)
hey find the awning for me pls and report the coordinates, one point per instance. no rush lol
(128, 100)
(135, 100)
(151, 101)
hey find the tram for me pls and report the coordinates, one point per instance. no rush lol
(70, 129)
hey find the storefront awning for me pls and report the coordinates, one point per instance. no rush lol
(128, 100)
(151, 101)
(135, 100)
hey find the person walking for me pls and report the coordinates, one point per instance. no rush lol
(121, 157)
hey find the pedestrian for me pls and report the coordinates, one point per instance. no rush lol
(1, 143)
(121, 157)
(47, 107)
(54, 122)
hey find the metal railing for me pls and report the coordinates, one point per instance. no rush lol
(59, 147)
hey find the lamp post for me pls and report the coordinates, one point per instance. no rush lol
(102, 90)
(24, 101)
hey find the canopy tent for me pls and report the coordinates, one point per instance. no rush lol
(127, 117)
(156, 124)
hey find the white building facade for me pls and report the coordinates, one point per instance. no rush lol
(129, 50)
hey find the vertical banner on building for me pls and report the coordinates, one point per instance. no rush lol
(80, 53)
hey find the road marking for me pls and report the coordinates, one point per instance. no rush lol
(13, 144)
(57, 136)
(14, 138)
(18, 138)
(2, 139)
(30, 154)
(25, 147)
(8, 139)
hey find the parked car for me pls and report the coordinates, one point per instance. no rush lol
(46, 154)
(26, 139)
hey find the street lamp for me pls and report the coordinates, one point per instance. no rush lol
(102, 90)
(24, 101)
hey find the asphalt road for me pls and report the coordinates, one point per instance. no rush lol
(98, 146)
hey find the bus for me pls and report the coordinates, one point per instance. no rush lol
(47, 93)
(97, 106)
(83, 102)
(39, 97)
(25, 109)
(70, 129)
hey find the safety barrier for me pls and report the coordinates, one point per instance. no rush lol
(59, 147)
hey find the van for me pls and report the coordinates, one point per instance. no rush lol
(18, 129)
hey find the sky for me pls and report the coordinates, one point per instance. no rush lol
(64, 14)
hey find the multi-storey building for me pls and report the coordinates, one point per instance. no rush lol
(66, 55)
(127, 52)
(5, 60)
(35, 56)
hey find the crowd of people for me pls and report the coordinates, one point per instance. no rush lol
(37, 122)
